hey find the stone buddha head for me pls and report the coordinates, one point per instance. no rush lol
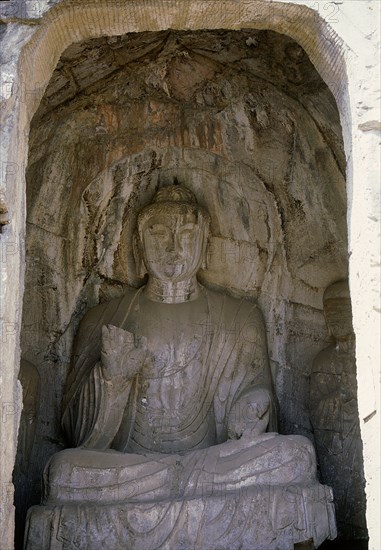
(172, 234)
(338, 311)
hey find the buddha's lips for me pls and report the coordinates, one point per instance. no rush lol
(168, 260)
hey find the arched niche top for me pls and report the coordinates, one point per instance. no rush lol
(72, 21)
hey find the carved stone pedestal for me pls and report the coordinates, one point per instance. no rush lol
(261, 518)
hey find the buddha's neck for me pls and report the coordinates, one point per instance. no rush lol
(169, 292)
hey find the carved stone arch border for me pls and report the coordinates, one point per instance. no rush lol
(330, 45)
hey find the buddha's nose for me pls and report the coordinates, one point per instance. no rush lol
(170, 243)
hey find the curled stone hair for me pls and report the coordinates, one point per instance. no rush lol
(337, 290)
(174, 197)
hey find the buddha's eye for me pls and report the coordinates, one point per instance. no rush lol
(188, 231)
(158, 231)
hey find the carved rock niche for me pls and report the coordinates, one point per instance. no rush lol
(244, 120)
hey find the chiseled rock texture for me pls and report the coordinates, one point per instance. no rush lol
(241, 118)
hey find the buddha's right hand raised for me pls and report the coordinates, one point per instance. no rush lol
(123, 354)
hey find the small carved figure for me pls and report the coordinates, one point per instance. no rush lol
(31, 386)
(23, 471)
(334, 412)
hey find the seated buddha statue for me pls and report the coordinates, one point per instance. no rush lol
(170, 389)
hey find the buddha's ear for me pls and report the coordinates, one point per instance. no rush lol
(141, 269)
(205, 248)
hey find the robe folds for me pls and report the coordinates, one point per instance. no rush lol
(231, 357)
(158, 464)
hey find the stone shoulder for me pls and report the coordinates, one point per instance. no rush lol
(105, 313)
(104, 308)
(243, 317)
(232, 303)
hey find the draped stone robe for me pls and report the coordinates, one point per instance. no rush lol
(156, 467)
(182, 398)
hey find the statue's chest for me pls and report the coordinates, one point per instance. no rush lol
(175, 370)
(175, 337)
(173, 358)
(173, 402)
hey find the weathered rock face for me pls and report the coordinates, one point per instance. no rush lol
(242, 119)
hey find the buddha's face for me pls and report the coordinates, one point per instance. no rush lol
(338, 315)
(173, 244)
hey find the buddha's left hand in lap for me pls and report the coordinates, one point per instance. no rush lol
(250, 414)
